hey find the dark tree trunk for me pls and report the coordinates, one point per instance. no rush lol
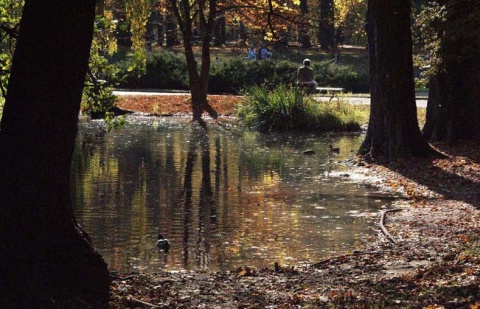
(170, 30)
(46, 259)
(432, 131)
(198, 77)
(393, 130)
(326, 29)
(219, 33)
(453, 110)
(199, 82)
(303, 29)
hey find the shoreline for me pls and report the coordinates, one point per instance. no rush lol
(432, 262)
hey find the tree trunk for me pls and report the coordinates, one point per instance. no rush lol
(453, 111)
(303, 29)
(46, 259)
(198, 80)
(393, 131)
(326, 29)
(432, 131)
(219, 37)
(170, 29)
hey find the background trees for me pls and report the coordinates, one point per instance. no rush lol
(452, 36)
(46, 259)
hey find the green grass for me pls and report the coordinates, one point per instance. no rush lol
(288, 110)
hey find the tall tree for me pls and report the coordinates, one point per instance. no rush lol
(453, 110)
(303, 27)
(46, 259)
(326, 29)
(170, 27)
(205, 11)
(219, 31)
(393, 130)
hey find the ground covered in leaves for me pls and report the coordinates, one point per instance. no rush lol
(174, 104)
(426, 253)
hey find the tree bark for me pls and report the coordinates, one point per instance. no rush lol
(393, 131)
(219, 37)
(170, 28)
(326, 29)
(453, 111)
(45, 256)
(198, 78)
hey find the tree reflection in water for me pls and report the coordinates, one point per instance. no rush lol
(224, 197)
(198, 142)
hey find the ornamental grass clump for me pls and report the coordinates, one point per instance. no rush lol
(285, 109)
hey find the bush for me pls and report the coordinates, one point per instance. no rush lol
(234, 75)
(287, 109)
(168, 70)
(164, 70)
(228, 77)
(329, 74)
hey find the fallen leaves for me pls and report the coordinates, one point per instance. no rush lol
(167, 105)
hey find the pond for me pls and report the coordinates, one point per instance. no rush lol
(224, 197)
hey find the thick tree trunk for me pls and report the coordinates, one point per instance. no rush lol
(326, 29)
(453, 110)
(432, 131)
(393, 130)
(199, 83)
(46, 259)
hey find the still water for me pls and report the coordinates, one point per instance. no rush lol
(224, 197)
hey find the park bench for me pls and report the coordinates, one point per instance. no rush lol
(329, 90)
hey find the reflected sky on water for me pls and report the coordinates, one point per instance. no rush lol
(224, 197)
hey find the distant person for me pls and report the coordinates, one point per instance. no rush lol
(264, 53)
(252, 53)
(305, 76)
(196, 36)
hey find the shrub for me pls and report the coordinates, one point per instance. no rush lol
(168, 70)
(164, 70)
(228, 77)
(329, 74)
(287, 109)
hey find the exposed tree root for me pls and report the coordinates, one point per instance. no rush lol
(382, 224)
(140, 303)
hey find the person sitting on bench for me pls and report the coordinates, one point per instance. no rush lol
(305, 76)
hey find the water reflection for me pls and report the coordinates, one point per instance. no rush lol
(223, 197)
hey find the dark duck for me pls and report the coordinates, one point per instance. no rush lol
(334, 149)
